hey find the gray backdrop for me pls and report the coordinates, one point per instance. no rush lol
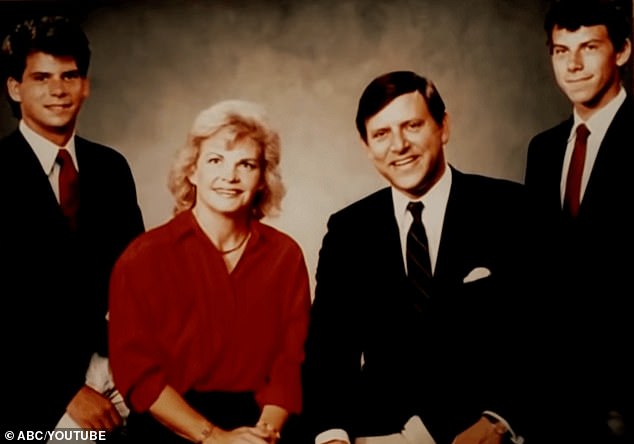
(156, 64)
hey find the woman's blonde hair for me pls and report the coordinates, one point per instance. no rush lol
(244, 120)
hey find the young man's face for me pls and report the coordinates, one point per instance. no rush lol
(406, 144)
(586, 66)
(50, 94)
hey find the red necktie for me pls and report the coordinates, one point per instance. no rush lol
(572, 198)
(68, 187)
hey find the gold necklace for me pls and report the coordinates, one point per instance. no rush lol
(237, 247)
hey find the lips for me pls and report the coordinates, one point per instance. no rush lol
(227, 192)
(578, 80)
(58, 107)
(404, 161)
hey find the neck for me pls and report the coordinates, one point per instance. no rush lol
(58, 136)
(225, 232)
(587, 110)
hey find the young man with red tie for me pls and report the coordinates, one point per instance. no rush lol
(70, 209)
(579, 176)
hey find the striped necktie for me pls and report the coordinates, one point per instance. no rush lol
(418, 263)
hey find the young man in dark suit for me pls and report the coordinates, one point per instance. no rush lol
(579, 176)
(70, 209)
(411, 336)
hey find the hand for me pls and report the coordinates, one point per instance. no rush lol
(91, 410)
(271, 433)
(482, 432)
(241, 435)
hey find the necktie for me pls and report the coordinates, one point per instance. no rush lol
(418, 262)
(572, 197)
(68, 187)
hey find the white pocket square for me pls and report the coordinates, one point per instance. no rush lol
(475, 274)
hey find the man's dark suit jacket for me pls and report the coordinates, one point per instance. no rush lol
(587, 351)
(445, 360)
(55, 282)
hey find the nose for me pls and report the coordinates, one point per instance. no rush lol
(575, 61)
(56, 87)
(399, 142)
(229, 173)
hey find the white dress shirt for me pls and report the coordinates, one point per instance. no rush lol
(598, 125)
(435, 204)
(46, 152)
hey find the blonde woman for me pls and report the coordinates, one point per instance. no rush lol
(208, 313)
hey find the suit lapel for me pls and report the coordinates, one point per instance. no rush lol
(610, 155)
(33, 189)
(389, 247)
(451, 230)
(555, 164)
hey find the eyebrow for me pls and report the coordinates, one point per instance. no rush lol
(253, 159)
(48, 73)
(583, 43)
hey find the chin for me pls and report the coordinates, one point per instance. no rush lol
(582, 97)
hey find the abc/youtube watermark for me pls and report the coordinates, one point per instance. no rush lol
(58, 435)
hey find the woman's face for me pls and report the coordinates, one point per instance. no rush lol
(227, 174)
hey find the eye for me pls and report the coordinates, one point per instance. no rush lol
(70, 75)
(213, 160)
(379, 134)
(248, 165)
(558, 50)
(414, 124)
(40, 77)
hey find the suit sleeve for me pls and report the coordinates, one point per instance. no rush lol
(333, 347)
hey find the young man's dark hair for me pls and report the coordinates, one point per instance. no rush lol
(573, 14)
(55, 35)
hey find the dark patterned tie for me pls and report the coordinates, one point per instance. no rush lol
(418, 262)
(68, 187)
(572, 196)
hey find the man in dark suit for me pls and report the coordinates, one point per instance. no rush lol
(58, 242)
(579, 176)
(411, 336)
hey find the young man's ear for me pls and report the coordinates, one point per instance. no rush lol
(13, 89)
(624, 54)
(86, 87)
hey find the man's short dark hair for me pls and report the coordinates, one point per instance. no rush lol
(382, 90)
(572, 14)
(54, 35)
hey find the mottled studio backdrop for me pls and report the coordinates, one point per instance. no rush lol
(156, 64)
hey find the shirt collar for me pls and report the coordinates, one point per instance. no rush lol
(44, 149)
(599, 122)
(436, 197)
(184, 224)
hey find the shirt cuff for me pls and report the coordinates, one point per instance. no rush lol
(515, 439)
(415, 432)
(332, 434)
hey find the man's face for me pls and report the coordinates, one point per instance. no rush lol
(406, 144)
(586, 66)
(50, 95)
